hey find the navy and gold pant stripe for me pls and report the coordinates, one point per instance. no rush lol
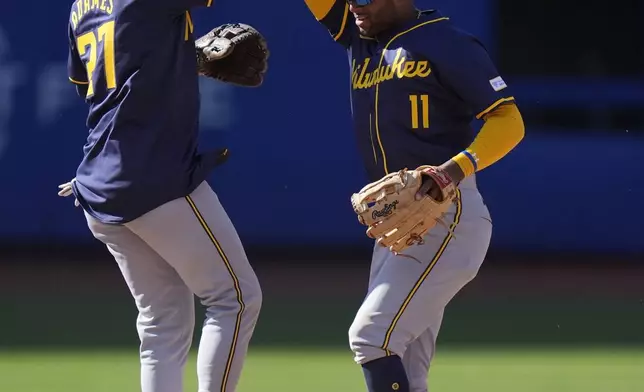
(426, 272)
(238, 291)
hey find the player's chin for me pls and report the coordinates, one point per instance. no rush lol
(364, 27)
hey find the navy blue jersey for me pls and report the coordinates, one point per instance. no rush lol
(136, 60)
(415, 90)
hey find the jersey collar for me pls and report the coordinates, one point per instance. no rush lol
(423, 16)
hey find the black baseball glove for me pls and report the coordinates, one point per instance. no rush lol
(233, 53)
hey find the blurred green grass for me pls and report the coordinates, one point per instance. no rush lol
(316, 370)
(560, 333)
(101, 320)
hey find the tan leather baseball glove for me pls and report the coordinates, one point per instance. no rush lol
(396, 209)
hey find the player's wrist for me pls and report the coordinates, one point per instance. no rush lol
(467, 162)
(453, 170)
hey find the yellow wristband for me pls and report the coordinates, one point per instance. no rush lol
(467, 162)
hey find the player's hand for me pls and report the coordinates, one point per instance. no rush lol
(66, 190)
(429, 188)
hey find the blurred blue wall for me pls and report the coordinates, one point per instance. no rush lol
(293, 162)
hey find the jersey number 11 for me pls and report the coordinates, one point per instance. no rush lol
(419, 116)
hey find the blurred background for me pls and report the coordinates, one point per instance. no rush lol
(557, 306)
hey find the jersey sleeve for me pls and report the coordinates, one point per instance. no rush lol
(335, 16)
(463, 65)
(75, 68)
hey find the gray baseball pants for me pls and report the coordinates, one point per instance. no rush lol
(403, 309)
(183, 248)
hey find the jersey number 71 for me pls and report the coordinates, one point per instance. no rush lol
(89, 42)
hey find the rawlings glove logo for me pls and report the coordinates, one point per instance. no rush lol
(387, 210)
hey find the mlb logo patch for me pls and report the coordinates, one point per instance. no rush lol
(498, 83)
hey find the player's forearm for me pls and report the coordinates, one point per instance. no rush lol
(320, 8)
(335, 16)
(502, 131)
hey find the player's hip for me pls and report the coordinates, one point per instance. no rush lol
(458, 246)
(469, 207)
(466, 222)
(466, 225)
(121, 204)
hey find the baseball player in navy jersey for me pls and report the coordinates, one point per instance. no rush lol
(142, 186)
(417, 83)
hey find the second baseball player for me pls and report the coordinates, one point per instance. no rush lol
(417, 82)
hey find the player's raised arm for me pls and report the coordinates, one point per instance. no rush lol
(465, 66)
(335, 16)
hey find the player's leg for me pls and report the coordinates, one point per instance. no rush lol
(418, 356)
(195, 235)
(387, 373)
(165, 323)
(408, 295)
